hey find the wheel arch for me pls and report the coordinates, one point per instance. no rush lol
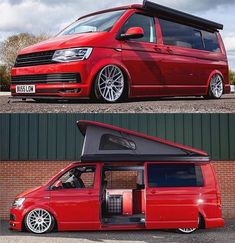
(209, 79)
(47, 208)
(99, 66)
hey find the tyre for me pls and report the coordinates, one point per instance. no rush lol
(39, 221)
(216, 88)
(189, 230)
(110, 85)
(186, 230)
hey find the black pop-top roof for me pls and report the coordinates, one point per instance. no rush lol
(163, 11)
(106, 143)
(170, 14)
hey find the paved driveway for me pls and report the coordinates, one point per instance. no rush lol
(166, 105)
(223, 235)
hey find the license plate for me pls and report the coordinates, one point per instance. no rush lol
(25, 89)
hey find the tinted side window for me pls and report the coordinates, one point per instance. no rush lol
(181, 35)
(145, 22)
(174, 175)
(211, 41)
(111, 142)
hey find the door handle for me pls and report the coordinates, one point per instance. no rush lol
(169, 50)
(153, 191)
(157, 49)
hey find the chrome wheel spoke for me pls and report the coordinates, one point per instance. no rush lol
(216, 86)
(111, 83)
(187, 230)
(39, 221)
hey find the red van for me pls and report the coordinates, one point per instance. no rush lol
(134, 51)
(125, 181)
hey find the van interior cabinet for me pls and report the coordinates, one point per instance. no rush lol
(126, 200)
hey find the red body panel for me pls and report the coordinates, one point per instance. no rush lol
(151, 69)
(79, 209)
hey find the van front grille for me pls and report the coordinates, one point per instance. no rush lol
(34, 59)
(47, 78)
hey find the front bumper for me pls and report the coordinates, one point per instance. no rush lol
(60, 89)
(16, 219)
(56, 91)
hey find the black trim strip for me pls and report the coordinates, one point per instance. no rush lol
(180, 16)
(142, 158)
(46, 78)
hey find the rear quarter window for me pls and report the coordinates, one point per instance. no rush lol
(177, 34)
(174, 175)
(211, 41)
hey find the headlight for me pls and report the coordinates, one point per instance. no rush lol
(72, 55)
(18, 202)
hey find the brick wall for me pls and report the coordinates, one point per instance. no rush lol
(16, 177)
(226, 175)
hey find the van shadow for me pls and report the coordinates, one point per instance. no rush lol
(104, 236)
(130, 101)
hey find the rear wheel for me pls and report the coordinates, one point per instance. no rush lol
(186, 230)
(110, 85)
(39, 221)
(216, 88)
(189, 230)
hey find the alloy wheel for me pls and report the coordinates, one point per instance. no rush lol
(187, 230)
(39, 221)
(216, 86)
(111, 83)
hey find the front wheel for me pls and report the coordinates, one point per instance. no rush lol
(110, 85)
(39, 221)
(216, 88)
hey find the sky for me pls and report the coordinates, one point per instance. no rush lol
(50, 16)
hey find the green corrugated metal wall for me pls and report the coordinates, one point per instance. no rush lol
(56, 137)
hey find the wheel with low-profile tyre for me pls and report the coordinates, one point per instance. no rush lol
(110, 85)
(186, 230)
(39, 221)
(190, 230)
(216, 87)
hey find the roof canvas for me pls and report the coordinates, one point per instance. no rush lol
(106, 143)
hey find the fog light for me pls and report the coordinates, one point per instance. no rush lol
(12, 217)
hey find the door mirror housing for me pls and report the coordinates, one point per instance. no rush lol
(57, 185)
(133, 33)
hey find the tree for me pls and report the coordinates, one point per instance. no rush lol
(10, 48)
(4, 79)
(232, 77)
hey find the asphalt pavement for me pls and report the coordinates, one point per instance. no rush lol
(220, 235)
(163, 105)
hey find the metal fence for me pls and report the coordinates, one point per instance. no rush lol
(56, 137)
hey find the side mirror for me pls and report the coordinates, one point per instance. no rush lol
(57, 185)
(133, 33)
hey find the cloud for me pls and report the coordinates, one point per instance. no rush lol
(50, 16)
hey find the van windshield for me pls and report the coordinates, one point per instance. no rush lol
(95, 23)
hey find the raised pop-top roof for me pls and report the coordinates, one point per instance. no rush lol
(107, 143)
